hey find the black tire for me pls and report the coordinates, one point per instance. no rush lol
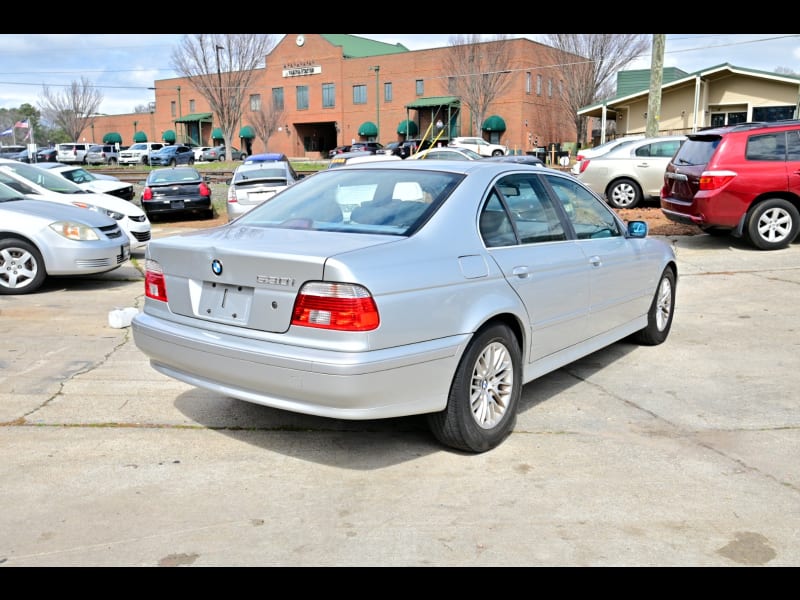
(173, 162)
(497, 153)
(482, 404)
(243, 156)
(22, 269)
(624, 193)
(660, 313)
(112, 162)
(191, 161)
(772, 224)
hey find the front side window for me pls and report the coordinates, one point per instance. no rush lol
(172, 108)
(328, 95)
(192, 106)
(359, 94)
(420, 87)
(590, 217)
(255, 102)
(302, 97)
(387, 91)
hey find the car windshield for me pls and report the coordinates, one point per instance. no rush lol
(46, 179)
(78, 175)
(259, 173)
(394, 202)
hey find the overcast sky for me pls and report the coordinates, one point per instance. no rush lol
(123, 66)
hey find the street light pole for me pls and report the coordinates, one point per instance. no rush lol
(217, 48)
(377, 69)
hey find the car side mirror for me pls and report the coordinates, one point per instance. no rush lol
(637, 229)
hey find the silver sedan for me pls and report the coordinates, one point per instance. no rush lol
(41, 239)
(399, 288)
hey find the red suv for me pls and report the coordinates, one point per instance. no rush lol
(742, 180)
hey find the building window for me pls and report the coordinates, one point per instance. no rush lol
(420, 87)
(538, 85)
(255, 102)
(451, 86)
(560, 88)
(528, 82)
(550, 88)
(772, 113)
(302, 97)
(277, 98)
(328, 95)
(172, 106)
(359, 94)
(192, 107)
(387, 91)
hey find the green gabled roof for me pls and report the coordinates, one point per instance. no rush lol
(676, 75)
(358, 47)
(629, 82)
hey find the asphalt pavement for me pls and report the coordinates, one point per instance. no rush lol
(683, 454)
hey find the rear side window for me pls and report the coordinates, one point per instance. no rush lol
(770, 146)
(697, 150)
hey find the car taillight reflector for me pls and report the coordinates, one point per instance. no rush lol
(147, 194)
(204, 189)
(340, 306)
(154, 285)
(583, 164)
(713, 180)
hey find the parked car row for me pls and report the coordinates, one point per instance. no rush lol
(43, 184)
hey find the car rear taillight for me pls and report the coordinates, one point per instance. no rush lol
(147, 194)
(204, 189)
(154, 285)
(582, 165)
(340, 306)
(713, 180)
(579, 158)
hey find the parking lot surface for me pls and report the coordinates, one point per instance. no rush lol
(683, 454)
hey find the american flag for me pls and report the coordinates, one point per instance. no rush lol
(23, 124)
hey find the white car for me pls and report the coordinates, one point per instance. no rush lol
(198, 152)
(600, 150)
(479, 145)
(42, 184)
(90, 182)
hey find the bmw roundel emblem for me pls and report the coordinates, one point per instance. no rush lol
(216, 266)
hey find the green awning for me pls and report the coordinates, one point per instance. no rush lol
(112, 137)
(407, 127)
(194, 117)
(368, 129)
(139, 136)
(435, 101)
(217, 134)
(169, 136)
(494, 123)
(247, 132)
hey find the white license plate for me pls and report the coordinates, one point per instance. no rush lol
(176, 204)
(223, 301)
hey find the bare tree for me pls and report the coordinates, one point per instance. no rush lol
(221, 68)
(589, 79)
(265, 122)
(73, 109)
(480, 72)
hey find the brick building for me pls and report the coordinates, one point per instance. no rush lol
(328, 85)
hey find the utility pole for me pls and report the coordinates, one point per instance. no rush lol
(656, 78)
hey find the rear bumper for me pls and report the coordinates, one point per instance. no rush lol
(392, 382)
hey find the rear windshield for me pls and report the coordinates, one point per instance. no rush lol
(697, 150)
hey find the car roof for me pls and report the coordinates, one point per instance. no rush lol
(266, 157)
